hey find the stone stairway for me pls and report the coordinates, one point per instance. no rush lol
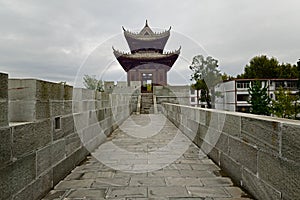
(147, 103)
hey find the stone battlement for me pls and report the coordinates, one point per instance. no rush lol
(47, 128)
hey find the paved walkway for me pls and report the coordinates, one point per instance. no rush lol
(147, 158)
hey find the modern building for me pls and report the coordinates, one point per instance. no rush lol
(147, 62)
(234, 94)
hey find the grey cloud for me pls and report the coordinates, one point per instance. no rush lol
(51, 39)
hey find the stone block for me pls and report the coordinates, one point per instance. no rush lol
(38, 189)
(5, 146)
(42, 109)
(258, 188)
(210, 150)
(291, 142)
(261, 132)
(6, 177)
(43, 160)
(24, 140)
(68, 125)
(49, 91)
(3, 86)
(222, 142)
(81, 121)
(23, 172)
(42, 132)
(232, 125)
(22, 89)
(283, 174)
(56, 108)
(57, 151)
(3, 113)
(68, 107)
(243, 153)
(212, 120)
(73, 142)
(29, 136)
(21, 111)
(68, 92)
(231, 167)
(63, 168)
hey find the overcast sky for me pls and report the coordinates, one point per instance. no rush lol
(51, 39)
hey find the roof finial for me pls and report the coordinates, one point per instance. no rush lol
(146, 23)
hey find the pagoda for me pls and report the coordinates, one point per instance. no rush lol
(147, 62)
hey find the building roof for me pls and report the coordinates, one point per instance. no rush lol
(131, 60)
(147, 33)
(146, 39)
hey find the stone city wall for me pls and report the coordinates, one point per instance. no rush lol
(261, 154)
(171, 94)
(46, 129)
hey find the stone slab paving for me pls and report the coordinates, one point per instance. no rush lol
(147, 157)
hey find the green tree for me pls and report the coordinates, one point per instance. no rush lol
(285, 105)
(259, 99)
(206, 75)
(264, 67)
(90, 82)
(200, 86)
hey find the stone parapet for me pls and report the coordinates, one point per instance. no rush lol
(259, 153)
(51, 128)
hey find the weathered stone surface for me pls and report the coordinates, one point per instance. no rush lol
(72, 142)
(68, 92)
(37, 189)
(68, 125)
(231, 167)
(283, 175)
(180, 181)
(68, 107)
(219, 181)
(57, 151)
(162, 179)
(16, 176)
(87, 194)
(150, 181)
(22, 111)
(291, 142)
(49, 91)
(260, 132)
(3, 113)
(3, 86)
(122, 192)
(23, 139)
(207, 192)
(259, 188)
(232, 125)
(56, 108)
(43, 159)
(168, 191)
(5, 146)
(243, 153)
(20, 89)
(42, 132)
(42, 109)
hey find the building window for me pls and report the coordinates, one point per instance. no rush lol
(192, 91)
(243, 84)
(242, 97)
(291, 84)
(279, 84)
(244, 109)
(193, 99)
(57, 123)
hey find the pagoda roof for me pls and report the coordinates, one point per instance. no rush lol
(131, 60)
(147, 33)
